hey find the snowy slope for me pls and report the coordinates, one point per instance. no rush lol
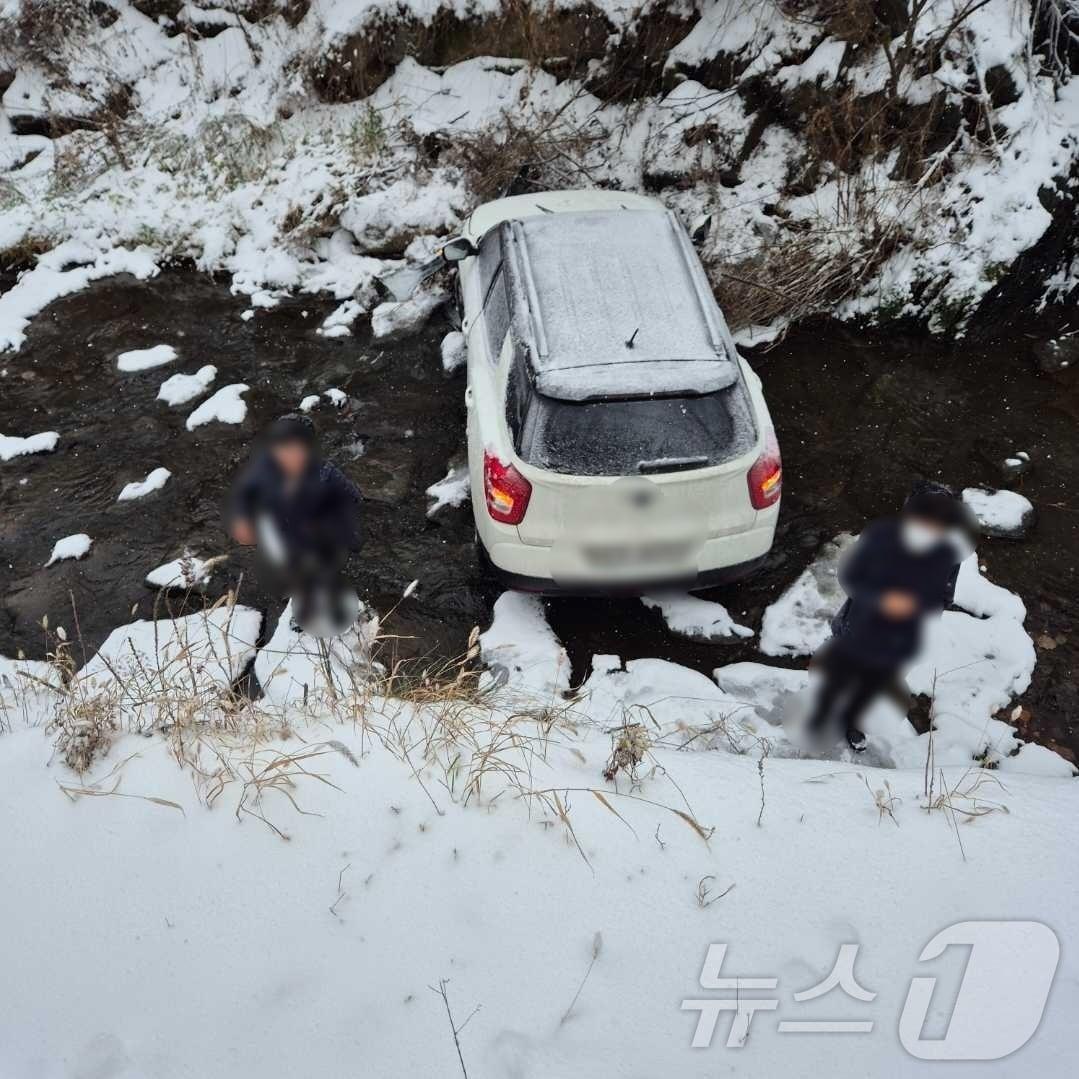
(316, 956)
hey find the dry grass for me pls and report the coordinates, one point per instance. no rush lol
(527, 152)
(464, 738)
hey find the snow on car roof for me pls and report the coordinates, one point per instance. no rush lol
(617, 304)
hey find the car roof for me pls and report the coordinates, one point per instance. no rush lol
(616, 304)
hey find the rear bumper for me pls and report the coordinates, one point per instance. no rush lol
(527, 568)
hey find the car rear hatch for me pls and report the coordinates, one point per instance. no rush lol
(628, 484)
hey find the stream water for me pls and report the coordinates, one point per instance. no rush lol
(859, 417)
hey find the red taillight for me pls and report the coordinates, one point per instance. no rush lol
(506, 490)
(766, 476)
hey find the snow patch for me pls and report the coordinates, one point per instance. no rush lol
(225, 406)
(179, 389)
(454, 489)
(140, 488)
(698, 619)
(76, 546)
(14, 446)
(142, 359)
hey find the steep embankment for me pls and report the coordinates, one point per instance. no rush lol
(873, 160)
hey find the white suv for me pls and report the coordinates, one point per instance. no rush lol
(617, 442)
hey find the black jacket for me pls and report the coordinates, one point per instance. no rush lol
(880, 562)
(320, 515)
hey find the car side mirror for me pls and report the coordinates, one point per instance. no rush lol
(457, 249)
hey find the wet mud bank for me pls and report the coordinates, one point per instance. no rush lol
(859, 416)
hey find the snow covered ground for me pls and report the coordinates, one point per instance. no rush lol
(327, 881)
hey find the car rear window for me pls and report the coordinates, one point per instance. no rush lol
(634, 437)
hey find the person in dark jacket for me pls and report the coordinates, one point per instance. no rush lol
(304, 513)
(899, 573)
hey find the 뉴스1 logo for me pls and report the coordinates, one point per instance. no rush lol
(1000, 1002)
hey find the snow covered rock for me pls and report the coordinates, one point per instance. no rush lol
(454, 351)
(225, 406)
(141, 488)
(695, 618)
(339, 322)
(1017, 465)
(760, 685)
(76, 546)
(522, 649)
(179, 389)
(298, 669)
(395, 320)
(384, 222)
(454, 489)
(798, 623)
(13, 446)
(142, 359)
(1003, 514)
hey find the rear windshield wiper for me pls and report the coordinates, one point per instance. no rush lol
(671, 464)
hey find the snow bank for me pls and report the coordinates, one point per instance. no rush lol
(179, 389)
(522, 649)
(296, 669)
(150, 669)
(141, 488)
(142, 359)
(387, 886)
(14, 446)
(76, 546)
(50, 279)
(225, 406)
(797, 624)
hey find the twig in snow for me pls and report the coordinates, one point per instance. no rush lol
(441, 991)
(597, 947)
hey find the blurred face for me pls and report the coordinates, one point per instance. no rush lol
(292, 457)
(920, 534)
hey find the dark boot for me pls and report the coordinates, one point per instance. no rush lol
(856, 739)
